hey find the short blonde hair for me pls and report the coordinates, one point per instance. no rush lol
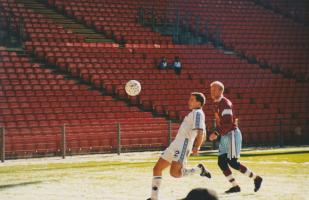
(219, 84)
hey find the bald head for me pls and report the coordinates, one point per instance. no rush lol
(218, 84)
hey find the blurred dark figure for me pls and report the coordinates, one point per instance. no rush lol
(177, 65)
(163, 63)
(201, 194)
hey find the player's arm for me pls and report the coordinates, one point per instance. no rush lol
(199, 140)
(226, 123)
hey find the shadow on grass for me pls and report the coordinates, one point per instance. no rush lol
(2, 187)
(259, 154)
(228, 196)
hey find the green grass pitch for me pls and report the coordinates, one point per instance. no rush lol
(128, 177)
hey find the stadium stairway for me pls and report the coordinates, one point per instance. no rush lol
(65, 21)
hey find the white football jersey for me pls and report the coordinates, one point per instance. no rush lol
(194, 121)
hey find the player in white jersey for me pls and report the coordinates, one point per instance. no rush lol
(189, 138)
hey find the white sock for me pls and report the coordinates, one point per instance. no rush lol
(232, 180)
(250, 174)
(190, 172)
(156, 182)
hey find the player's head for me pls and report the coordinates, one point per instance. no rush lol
(201, 194)
(216, 90)
(196, 100)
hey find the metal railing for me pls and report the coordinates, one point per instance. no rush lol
(2, 133)
(58, 141)
(119, 137)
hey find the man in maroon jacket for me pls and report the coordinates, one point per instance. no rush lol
(230, 139)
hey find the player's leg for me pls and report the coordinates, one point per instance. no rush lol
(175, 170)
(178, 167)
(246, 171)
(178, 170)
(234, 163)
(160, 166)
(223, 164)
(164, 162)
(224, 147)
(199, 169)
(182, 151)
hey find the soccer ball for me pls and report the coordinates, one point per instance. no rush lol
(133, 87)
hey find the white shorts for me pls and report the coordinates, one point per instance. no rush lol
(178, 151)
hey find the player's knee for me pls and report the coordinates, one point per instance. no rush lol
(234, 164)
(175, 174)
(175, 171)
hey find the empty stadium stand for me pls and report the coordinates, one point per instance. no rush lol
(295, 10)
(35, 102)
(72, 72)
(249, 29)
(115, 19)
